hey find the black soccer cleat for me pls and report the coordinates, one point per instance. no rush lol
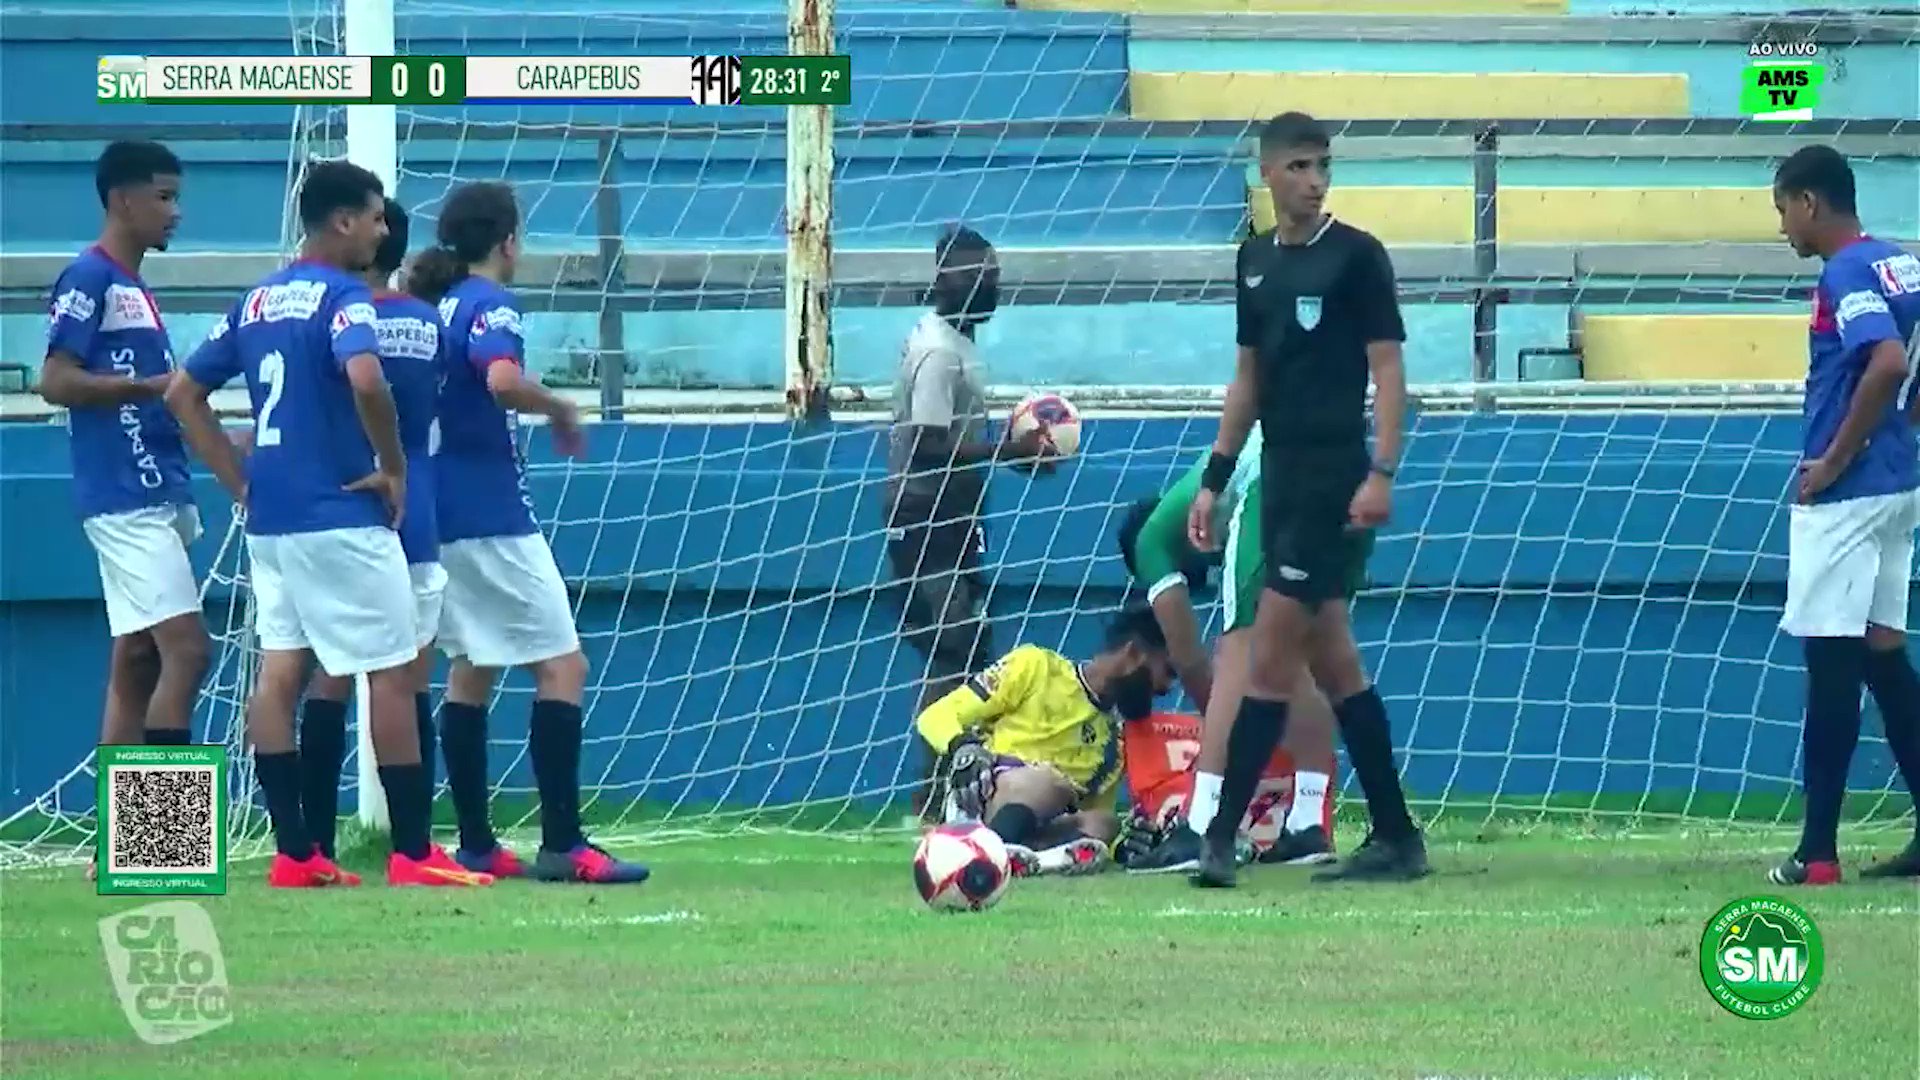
(1218, 867)
(1380, 859)
(1178, 850)
(1306, 847)
(1904, 865)
(1795, 871)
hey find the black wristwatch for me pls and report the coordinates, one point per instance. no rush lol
(1383, 470)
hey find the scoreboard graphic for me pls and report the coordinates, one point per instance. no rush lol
(475, 80)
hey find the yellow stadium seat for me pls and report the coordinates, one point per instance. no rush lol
(1353, 95)
(1548, 215)
(1545, 215)
(1397, 215)
(1304, 7)
(1664, 348)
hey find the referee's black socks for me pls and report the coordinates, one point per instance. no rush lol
(553, 743)
(1257, 729)
(323, 751)
(1896, 689)
(1836, 670)
(463, 744)
(1369, 742)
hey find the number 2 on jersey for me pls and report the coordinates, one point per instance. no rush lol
(273, 372)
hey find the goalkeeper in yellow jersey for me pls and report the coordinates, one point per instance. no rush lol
(1032, 745)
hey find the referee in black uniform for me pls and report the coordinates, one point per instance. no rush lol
(1317, 314)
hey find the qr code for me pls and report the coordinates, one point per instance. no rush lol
(162, 819)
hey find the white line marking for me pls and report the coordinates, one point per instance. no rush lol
(1179, 911)
(654, 919)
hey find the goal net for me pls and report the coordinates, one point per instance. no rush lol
(1573, 611)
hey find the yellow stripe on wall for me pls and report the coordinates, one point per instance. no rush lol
(1545, 215)
(1350, 95)
(1657, 348)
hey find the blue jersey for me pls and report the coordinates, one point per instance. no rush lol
(483, 477)
(1869, 292)
(413, 354)
(291, 336)
(129, 456)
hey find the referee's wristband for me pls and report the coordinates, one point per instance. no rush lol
(1218, 472)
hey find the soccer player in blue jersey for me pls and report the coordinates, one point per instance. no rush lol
(1850, 545)
(505, 603)
(108, 363)
(323, 488)
(412, 352)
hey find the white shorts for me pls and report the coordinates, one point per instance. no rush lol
(429, 590)
(1849, 564)
(343, 593)
(144, 570)
(505, 604)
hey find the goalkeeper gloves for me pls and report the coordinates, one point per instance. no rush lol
(970, 774)
(1141, 837)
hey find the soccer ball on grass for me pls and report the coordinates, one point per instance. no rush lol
(961, 868)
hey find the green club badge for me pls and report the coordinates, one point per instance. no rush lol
(1761, 957)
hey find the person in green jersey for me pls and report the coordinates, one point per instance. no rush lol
(1154, 544)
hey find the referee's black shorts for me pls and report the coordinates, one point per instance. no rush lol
(1305, 493)
(944, 616)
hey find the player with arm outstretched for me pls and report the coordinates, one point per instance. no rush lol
(323, 488)
(1033, 744)
(1161, 558)
(108, 362)
(1850, 545)
(505, 605)
(412, 355)
(1317, 316)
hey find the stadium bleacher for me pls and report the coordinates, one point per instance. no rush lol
(1366, 95)
(1544, 215)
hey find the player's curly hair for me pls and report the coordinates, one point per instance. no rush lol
(477, 218)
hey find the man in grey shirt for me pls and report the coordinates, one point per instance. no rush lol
(937, 462)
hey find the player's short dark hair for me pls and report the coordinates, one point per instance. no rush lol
(393, 250)
(1290, 130)
(333, 186)
(955, 241)
(1821, 170)
(1136, 625)
(131, 161)
(477, 218)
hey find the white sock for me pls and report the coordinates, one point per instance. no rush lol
(1309, 801)
(1206, 801)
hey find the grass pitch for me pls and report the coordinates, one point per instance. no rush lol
(788, 956)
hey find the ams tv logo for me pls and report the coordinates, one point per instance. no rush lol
(1782, 80)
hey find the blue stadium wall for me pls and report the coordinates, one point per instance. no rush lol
(928, 59)
(1566, 604)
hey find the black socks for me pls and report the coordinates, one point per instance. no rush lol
(409, 805)
(1836, 670)
(553, 744)
(323, 751)
(169, 737)
(1256, 731)
(463, 743)
(1014, 824)
(1896, 689)
(279, 777)
(1369, 742)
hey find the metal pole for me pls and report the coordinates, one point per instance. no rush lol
(372, 144)
(1486, 258)
(612, 363)
(809, 326)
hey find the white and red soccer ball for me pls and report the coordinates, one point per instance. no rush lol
(1053, 415)
(961, 868)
